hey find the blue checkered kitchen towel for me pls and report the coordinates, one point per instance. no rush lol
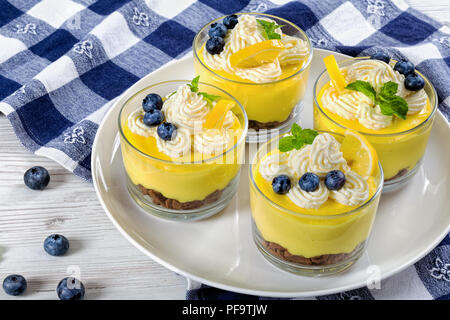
(63, 62)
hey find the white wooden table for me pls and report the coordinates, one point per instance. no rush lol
(109, 266)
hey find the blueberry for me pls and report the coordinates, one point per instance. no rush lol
(404, 67)
(309, 182)
(381, 55)
(335, 180)
(14, 284)
(414, 82)
(70, 289)
(153, 118)
(230, 21)
(281, 184)
(152, 102)
(56, 245)
(217, 30)
(166, 131)
(215, 45)
(36, 178)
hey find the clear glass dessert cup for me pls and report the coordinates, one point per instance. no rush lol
(400, 153)
(181, 190)
(272, 107)
(305, 244)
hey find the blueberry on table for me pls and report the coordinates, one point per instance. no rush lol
(36, 178)
(70, 289)
(230, 21)
(414, 82)
(334, 180)
(14, 284)
(215, 45)
(404, 67)
(153, 118)
(166, 131)
(281, 184)
(152, 102)
(56, 245)
(381, 55)
(217, 30)
(309, 182)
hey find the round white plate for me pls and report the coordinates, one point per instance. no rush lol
(220, 251)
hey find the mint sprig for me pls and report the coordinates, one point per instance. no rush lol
(390, 104)
(269, 29)
(298, 139)
(210, 98)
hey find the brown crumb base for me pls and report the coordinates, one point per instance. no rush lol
(256, 125)
(161, 200)
(323, 260)
(399, 174)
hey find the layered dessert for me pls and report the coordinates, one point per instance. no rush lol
(261, 60)
(385, 100)
(314, 196)
(182, 149)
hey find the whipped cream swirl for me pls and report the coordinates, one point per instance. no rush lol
(137, 125)
(188, 111)
(354, 105)
(246, 33)
(321, 157)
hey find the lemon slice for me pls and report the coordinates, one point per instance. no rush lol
(334, 72)
(257, 54)
(359, 153)
(216, 117)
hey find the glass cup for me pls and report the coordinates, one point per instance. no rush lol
(305, 244)
(181, 190)
(400, 153)
(270, 106)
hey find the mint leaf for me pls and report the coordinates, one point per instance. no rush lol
(298, 139)
(388, 89)
(210, 98)
(194, 84)
(363, 87)
(393, 105)
(269, 29)
(296, 130)
(171, 94)
(286, 144)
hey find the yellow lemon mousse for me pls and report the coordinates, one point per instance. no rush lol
(311, 206)
(184, 151)
(256, 62)
(388, 102)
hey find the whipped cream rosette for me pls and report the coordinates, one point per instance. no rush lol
(247, 32)
(187, 110)
(320, 158)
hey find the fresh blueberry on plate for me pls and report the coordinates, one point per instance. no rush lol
(404, 67)
(153, 118)
(309, 182)
(334, 180)
(381, 55)
(56, 245)
(14, 284)
(281, 184)
(230, 21)
(414, 82)
(215, 45)
(70, 289)
(36, 178)
(166, 131)
(217, 30)
(152, 102)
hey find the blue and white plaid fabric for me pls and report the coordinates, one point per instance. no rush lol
(63, 62)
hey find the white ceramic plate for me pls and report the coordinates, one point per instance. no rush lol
(220, 251)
